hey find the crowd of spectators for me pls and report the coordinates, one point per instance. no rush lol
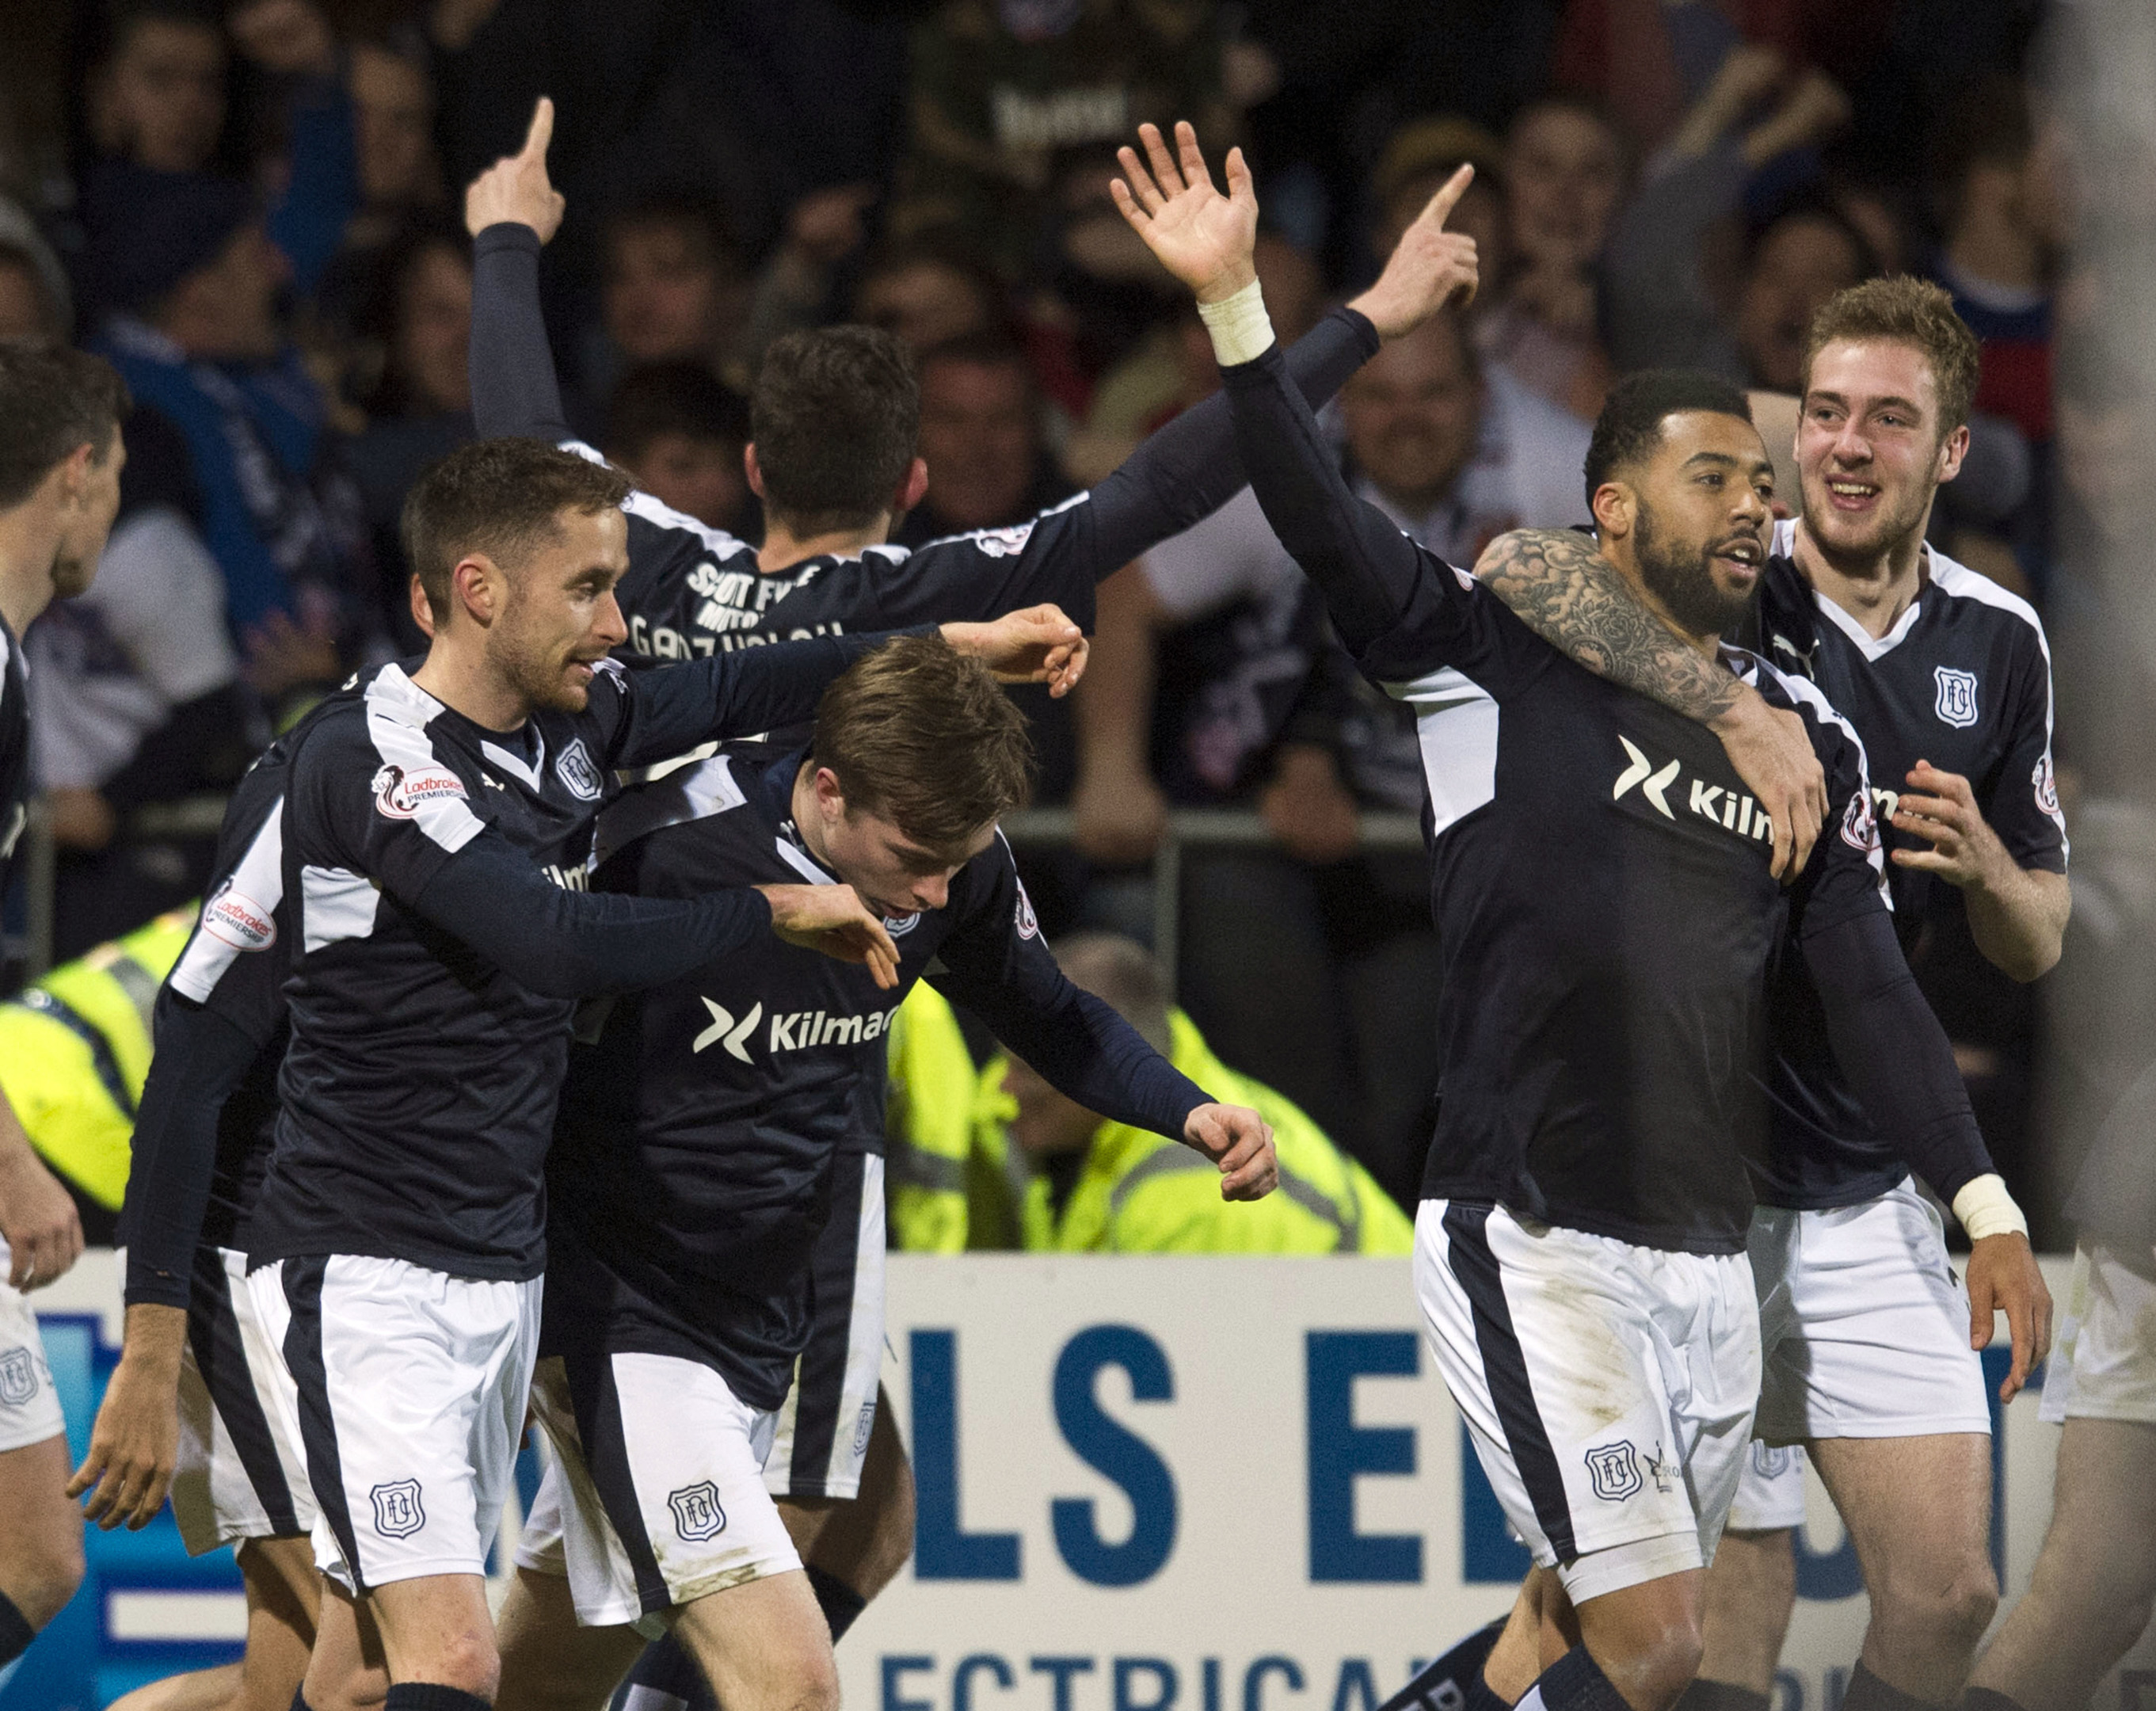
(250, 207)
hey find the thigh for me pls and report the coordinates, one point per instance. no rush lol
(1911, 1503)
(1874, 1338)
(283, 1600)
(550, 1662)
(660, 1483)
(764, 1645)
(44, 1527)
(2103, 1512)
(822, 1433)
(428, 1619)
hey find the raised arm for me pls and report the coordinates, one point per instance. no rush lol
(1558, 583)
(511, 210)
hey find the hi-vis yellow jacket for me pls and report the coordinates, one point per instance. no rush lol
(75, 1050)
(1142, 1192)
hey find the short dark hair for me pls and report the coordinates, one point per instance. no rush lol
(1631, 425)
(924, 736)
(672, 397)
(1909, 311)
(836, 416)
(53, 399)
(1123, 974)
(501, 498)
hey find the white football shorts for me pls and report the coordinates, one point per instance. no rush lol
(1863, 1326)
(239, 1475)
(407, 1393)
(2103, 1364)
(1608, 1388)
(822, 1435)
(1770, 1495)
(654, 1496)
(30, 1405)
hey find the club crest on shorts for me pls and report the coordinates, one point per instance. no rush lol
(1957, 702)
(18, 1377)
(1771, 1461)
(1615, 1470)
(579, 777)
(697, 1515)
(863, 1427)
(397, 1513)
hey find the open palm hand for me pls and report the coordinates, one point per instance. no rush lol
(1204, 238)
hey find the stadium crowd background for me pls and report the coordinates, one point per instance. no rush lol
(253, 210)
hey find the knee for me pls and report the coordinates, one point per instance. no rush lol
(1951, 1614)
(468, 1660)
(40, 1582)
(1669, 1663)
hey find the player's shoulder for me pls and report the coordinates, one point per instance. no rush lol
(709, 796)
(649, 509)
(1974, 596)
(1007, 542)
(1796, 693)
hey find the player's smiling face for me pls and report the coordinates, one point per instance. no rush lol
(1870, 452)
(560, 618)
(1702, 505)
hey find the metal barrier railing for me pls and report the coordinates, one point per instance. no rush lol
(1186, 829)
(1199, 828)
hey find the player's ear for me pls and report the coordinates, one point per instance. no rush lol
(830, 799)
(914, 488)
(1952, 451)
(476, 587)
(753, 470)
(1613, 505)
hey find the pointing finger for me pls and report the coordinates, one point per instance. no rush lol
(1440, 206)
(541, 133)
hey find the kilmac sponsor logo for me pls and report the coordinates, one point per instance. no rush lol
(785, 1030)
(1731, 809)
(234, 918)
(398, 792)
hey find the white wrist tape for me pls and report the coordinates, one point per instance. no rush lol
(1241, 329)
(1986, 1209)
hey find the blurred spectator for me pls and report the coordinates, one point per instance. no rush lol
(989, 469)
(35, 299)
(156, 94)
(1001, 88)
(392, 101)
(2001, 215)
(929, 289)
(194, 281)
(1676, 296)
(1564, 176)
(416, 339)
(679, 431)
(137, 713)
(1100, 1187)
(677, 287)
(795, 286)
(1418, 158)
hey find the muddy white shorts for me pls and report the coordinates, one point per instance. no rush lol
(1608, 1388)
(408, 1394)
(1863, 1326)
(653, 1495)
(822, 1435)
(2103, 1364)
(238, 1474)
(30, 1405)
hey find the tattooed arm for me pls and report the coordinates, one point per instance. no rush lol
(1559, 584)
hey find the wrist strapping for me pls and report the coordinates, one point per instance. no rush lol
(1986, 1209)
(1242, 331)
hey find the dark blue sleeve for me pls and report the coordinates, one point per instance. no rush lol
(308, 221)
(580, 944)
(670, 710)
(514, 392)
(1893, 1050)
(1401, 610)
(199, 1058)
(998, 966)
